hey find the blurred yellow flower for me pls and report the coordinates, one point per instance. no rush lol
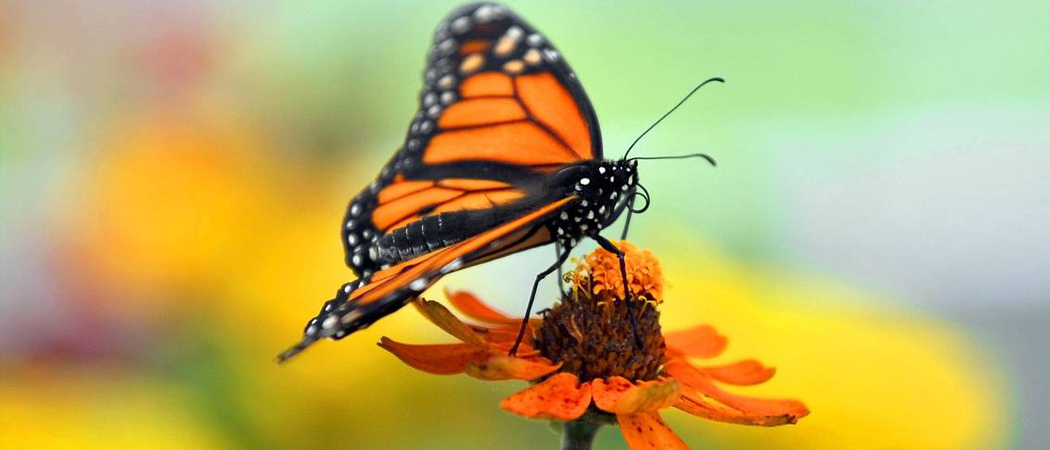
(877, 376)
(160, 214)
(98, 408)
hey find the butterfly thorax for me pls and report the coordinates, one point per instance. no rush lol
(604, 189)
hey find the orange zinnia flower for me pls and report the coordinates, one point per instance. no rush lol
(592, 366)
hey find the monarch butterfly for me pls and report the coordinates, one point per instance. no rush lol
(503, 155)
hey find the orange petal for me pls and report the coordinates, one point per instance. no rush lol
(560, 397)
(619, 396)
(503, 367)
(693, 403)
(440, 359)
(695, 379)
(700, 342)
(645, 431)
(447, 321)
(524, 350)
(743, 373)
(500, 333)
(469, 304)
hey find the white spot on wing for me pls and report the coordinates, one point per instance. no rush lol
(447, 46)
(471, 64)
(484, 14)
(418, 285)
(448, 97)
(461, 25)
(446, 82)
(456, 264)
(532, 57)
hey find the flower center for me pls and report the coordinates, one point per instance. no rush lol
(590, 332)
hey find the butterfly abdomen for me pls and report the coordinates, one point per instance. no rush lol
(438, 231)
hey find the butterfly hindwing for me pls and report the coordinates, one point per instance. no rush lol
(361, 302)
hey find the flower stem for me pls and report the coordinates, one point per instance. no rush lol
(579, 435)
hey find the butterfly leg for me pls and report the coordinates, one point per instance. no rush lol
(611, 248)
(532, 297)
(561, 276)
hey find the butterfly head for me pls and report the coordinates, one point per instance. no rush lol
(605, 187)
(623, 181)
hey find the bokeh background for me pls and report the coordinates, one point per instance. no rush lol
(174, 174)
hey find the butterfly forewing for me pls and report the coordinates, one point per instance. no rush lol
(499, 109)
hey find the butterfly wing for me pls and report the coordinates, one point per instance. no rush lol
(361, 302)
(500, 109)
(499, 113)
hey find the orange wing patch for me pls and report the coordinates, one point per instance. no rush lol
(480, 200)
(467, 184)
(487, 84)
(475, 46)
(482, 111)
(404, 222)
(513, 143)
(528, 120)
(401, 189)
(550, 103)
(395, 211)
(403, 203)
(427, 267)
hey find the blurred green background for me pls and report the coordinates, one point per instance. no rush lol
(174, 175)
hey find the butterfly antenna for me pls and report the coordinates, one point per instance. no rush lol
(668, 113)
(694, 155)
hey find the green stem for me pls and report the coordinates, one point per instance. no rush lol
(579, 435)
